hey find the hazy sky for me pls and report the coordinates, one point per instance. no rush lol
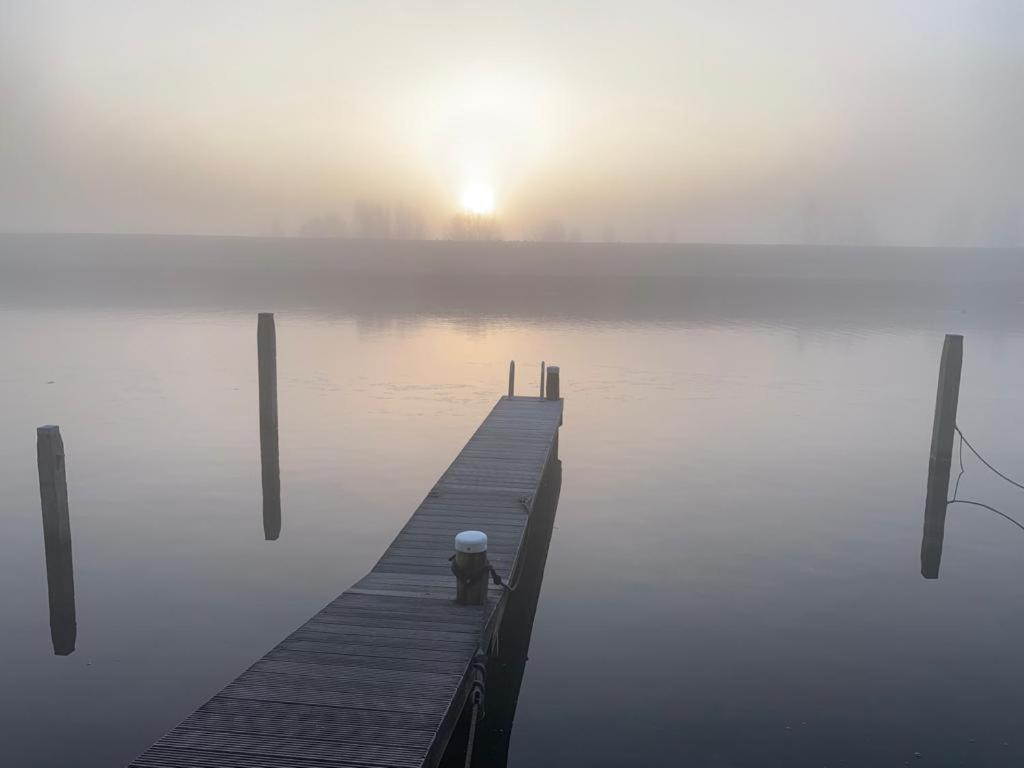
(891, 121)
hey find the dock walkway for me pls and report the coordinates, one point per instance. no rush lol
(380, 675)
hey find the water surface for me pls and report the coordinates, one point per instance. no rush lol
(733, 577)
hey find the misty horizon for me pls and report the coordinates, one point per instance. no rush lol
(465, 384)
(874, 124)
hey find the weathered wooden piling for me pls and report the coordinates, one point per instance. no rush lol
(941, 455)
(470, 568)
(512, 378)
(542, 378)
(947, 397)
(552, 389)
(60, 575)
(270, 464)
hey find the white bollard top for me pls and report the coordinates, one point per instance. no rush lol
(471, 541)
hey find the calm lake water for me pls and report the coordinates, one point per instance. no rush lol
(733, 577)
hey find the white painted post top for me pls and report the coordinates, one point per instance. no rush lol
(471, 541)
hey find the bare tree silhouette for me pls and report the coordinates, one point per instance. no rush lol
(472, 226)
(324, 226)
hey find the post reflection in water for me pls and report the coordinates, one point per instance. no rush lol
(60, 576)
(266, 344)
(506, 666)
(936, 501)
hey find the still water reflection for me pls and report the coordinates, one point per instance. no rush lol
(734, 576)
(936, 502)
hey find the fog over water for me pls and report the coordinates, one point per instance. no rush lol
(742, 231)
(800, 121)
(734, 573)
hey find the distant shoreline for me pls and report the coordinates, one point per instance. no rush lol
(19, 252)
(509, 241)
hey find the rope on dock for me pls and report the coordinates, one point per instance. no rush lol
(479, 666)
(476, 695)
(472, 736)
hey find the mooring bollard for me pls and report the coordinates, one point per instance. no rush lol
(551, 390)
(471, 568)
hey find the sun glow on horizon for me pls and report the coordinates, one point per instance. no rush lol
(478, 199)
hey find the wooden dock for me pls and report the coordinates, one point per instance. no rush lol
(379, 677)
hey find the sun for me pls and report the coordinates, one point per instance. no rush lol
(478, 199)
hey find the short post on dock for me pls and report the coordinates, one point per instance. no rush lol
(552, 387)
(471, 568)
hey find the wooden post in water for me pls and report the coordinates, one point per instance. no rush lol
(471, 574)
(60, 575)
(542, 378)
(270, 464)
(512, 378)
(941, 455)
(552, 388)
(947, 398)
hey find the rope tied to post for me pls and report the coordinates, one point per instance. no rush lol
(469, 575)
(965, 441)
(956, 488)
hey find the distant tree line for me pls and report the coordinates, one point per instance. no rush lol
(472, 226)
(381, 221)
(554, 231)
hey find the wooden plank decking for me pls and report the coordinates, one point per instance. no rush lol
(379, 676)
